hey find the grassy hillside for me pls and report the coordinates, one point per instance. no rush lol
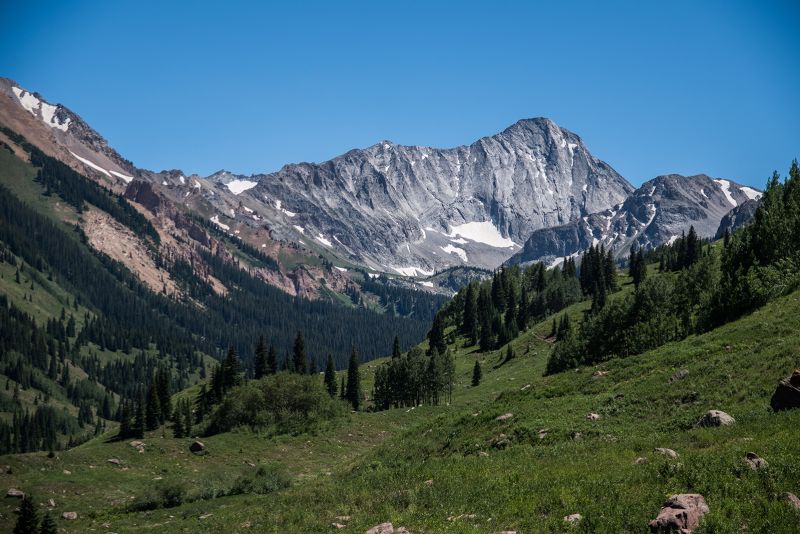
(457, 469)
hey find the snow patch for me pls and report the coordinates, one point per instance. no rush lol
(125, 177)
(340, 269)
(482, 232)
(182, 179)
(279, 207)
(426, 284)
(413, 271)
(299, 229)
(726, 190)
(460, 252)
(240, 186)
(459, 241)
(196, 184)
(751, 193)
(248, 210)
(90, 164)
(215, 220)
(321, 239)
(672, 239)
(703, 192)
(48, 111)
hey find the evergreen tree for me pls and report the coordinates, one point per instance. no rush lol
(330, 377)
(300, 354)
(477, 374)
(28, 519)
(137, 430)
(163, 383)
(509, 353)
(48, 525)
(343, 389)
(272, 360)
(354, 381)
(610, 272)
(125, 421)
(470, 319)
(152, 409)
(177, 426)
(395, 348)
(231, 371)
(187, 418)
(436, 339)
(260, 366)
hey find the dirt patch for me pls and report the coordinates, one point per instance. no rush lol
(118, 242)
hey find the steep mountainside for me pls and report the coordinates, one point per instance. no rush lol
(403, 210)
(656, 213)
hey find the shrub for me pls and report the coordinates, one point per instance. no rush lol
(281, 403)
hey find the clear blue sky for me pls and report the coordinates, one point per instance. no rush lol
(652, 87)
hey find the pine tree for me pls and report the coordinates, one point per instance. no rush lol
(152, 409)
(610, 272)
(187, 418)
(396, 348)
(272, 360)
(231, 371)
(343, 389)
(477, 374)
(300, 354)
(436, 339)
(354, 381)
(125, 421)
(28, 519)
(260, 366)
(177, 426)
(163, 383)
(48, 525)
(330, 377)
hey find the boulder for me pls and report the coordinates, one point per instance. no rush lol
(716, 418)
(15, 493)
(383, 528)
(681, 513)
(598, 374)
(338, 525)
(593, 416)
(575, 436)
(51, 503)
(428, 482)
(755, 461)
(678, 375)
(504, 417)
(115, 461)
(573, 519)
(500, 441)
(666, 452)
(543, 433)
(641, 460)
(197, 447)
(70, 516)
(792, 499)
(787, 394)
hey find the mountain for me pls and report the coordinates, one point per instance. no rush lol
(412, 210)
(404, 210)
(656, 213)
(737, 217)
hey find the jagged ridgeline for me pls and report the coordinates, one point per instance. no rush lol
(79, 331)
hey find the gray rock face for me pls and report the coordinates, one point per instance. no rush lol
(410, 209)
(656, 213)
(737, 217)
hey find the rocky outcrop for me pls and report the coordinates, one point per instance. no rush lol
(714, 418)
(787, 394)
(737, 217)
(666, 452)
(755, 462)
(197, 447)
(681, 513)
(656, 213)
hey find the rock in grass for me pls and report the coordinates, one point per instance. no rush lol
(787, 394)
(681, 512)
(641, 460)
(573, 519)
(716, 418)
(197, 447)
(593, 416)
(338, 525)
(678, 375)
(115, 461)
(70, 516)
(755, 461)
(792, 499)
(666, 452)
(15, 493)
(383, 528)
(504, 417)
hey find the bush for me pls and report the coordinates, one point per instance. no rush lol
(166, 495)
(281, 403)
(265, 479)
